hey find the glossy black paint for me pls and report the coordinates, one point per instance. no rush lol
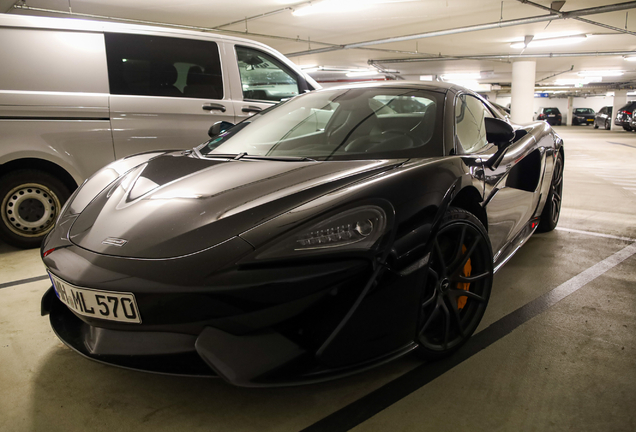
(209, 288)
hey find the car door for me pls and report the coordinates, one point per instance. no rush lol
(264, 81)
(513, 189)
(166, 92)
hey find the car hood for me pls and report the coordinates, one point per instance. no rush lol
(178, 204)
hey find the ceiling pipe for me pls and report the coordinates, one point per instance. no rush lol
(253, 17)
(505, 56)
(479, 27)
(587, 21)
(556, 74)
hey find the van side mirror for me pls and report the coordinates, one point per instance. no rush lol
(218, 128)
(500, 134)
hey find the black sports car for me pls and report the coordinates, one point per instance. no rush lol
(333, 232)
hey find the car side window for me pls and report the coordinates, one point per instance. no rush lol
(163, 66)
(469, 123)
(263, 77)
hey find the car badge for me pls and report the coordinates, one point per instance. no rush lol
(115, 241)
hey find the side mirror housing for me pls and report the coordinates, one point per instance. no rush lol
(498, 132)
(501, 134)
(218, 128)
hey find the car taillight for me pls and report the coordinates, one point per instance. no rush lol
(626, 112)
(541, 116)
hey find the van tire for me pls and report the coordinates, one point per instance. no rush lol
(30, 202)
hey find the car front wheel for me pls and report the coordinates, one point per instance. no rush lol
(608, 125)
(458, 285)
(30, 203)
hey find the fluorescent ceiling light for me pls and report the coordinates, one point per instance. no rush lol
(630, 58)
(461, 76)
(601, 73)
(339, 6)
(426, 77)
(472, 85)
(363, 73)
(539, 42)
(576, 81)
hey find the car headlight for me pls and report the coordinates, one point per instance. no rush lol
(355, 229)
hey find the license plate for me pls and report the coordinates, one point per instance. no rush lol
(551, 115)
(590, 120)
(107, 305)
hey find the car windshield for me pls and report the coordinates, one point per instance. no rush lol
(336, 124)
(551, 111)
(584, 111)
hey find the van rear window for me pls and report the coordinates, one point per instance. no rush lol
(163, 66)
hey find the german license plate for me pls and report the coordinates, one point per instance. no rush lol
(590, 120)
(107, 305)
(551, 115)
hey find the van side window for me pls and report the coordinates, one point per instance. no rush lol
(163, 66)
(263, 77)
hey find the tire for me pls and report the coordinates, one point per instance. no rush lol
(627, 128)
(30, 202)
(608, 125)
(552, 208)
(595, 125)
(461, 262)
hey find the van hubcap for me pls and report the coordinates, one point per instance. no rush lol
(29, 210)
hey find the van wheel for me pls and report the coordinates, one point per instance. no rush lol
(30, 203)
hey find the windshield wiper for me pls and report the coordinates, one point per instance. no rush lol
(278, 158)
(221, 155)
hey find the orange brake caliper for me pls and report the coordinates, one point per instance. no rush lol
(461, 301)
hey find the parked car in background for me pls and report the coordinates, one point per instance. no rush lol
(76, 95)
(603, 118)
(582, 116)
(551, 114)
(624, 116)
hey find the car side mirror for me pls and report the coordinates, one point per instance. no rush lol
(218, 128)
(498, 131)
(500, 134)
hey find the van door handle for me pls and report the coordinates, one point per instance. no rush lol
(252, 109)
(213, 107)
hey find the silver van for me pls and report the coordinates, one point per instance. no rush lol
(76, 95)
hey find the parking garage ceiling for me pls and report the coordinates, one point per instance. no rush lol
(322, 35)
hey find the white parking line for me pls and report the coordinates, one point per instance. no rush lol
(595, 234)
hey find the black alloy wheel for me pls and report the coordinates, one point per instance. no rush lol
(458, 285)
(552, 208)
(30, 202)
(608, 125)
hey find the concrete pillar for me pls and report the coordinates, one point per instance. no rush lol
(522, 103)
(620, 99)
(570, 108)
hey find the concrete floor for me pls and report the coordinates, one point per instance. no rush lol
(570, 366)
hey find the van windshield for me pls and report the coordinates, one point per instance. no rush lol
(358, 123)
